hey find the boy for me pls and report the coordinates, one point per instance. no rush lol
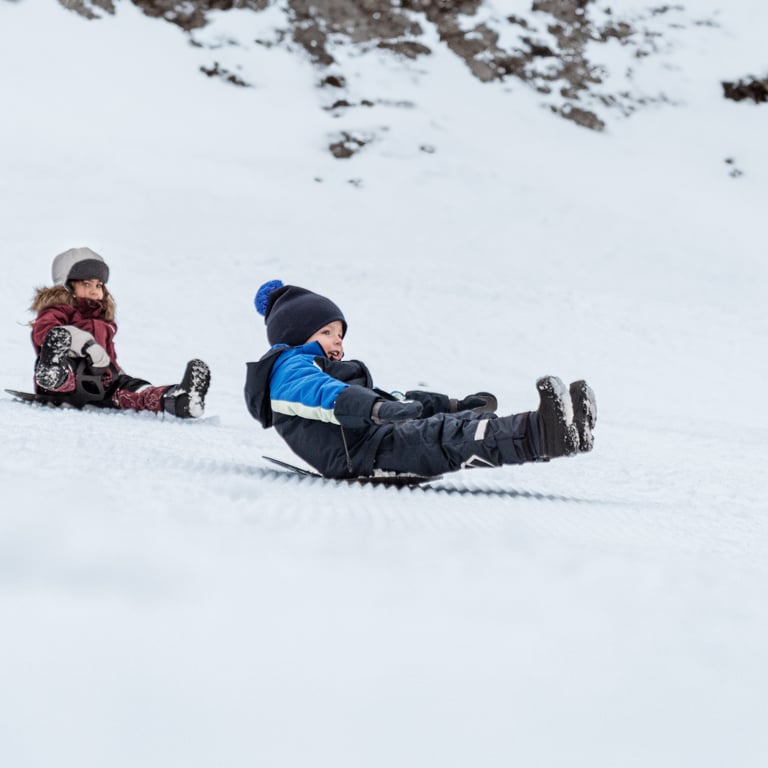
(331, 415)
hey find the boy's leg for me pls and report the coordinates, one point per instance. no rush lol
(447, 442)
(559, 436)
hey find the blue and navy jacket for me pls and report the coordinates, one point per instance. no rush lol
(320, 407)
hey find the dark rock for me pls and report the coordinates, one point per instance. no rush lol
(582, 117)
(335, 81)
(347, 145)
(224, 74)
(407, 48)
(751, 88)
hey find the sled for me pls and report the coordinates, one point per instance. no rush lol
(59, 401)
(392, 479)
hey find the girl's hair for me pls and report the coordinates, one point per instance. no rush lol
(109, 304)
(64, 294)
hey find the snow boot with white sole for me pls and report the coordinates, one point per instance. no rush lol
(584, 413)
(558, 436)
(52, 367)
(187, 400)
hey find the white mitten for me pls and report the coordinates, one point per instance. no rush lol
(84, 345)
(79, 339)
(97, 356)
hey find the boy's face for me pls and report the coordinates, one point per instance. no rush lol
(88, 289)
(331, 339)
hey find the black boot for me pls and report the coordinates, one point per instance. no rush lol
(187, 400)
(584, 413)
(558, 435)
(52, 367)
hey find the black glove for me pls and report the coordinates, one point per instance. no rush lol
(385, 411)
(432, 402)
(480, 402)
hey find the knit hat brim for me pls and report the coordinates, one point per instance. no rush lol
(79, 264)
(89, 269)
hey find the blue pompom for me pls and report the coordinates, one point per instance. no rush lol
(261, 299)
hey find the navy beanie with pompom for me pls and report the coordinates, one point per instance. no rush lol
(293, 314)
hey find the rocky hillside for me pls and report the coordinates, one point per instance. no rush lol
(559, 48)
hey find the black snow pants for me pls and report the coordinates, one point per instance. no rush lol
(447, 442)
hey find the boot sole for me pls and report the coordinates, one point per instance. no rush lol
(584, 413)
(196, 381)
(565, 442)
(50, 373)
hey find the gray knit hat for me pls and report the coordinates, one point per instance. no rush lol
(79, 264)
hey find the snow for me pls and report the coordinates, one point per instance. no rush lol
(168, 598)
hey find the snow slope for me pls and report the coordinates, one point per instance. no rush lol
(169, 599)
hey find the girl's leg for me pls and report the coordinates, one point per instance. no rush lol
(53, 370)
(129, 393)
(67, 385)
(145, 398)
(185, 400)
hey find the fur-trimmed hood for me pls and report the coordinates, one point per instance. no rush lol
(60, 294)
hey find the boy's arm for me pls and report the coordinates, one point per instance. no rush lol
(434, 402)
(359, 406)
(299, 388)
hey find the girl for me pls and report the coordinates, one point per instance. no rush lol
(73, 336)
(331, 415)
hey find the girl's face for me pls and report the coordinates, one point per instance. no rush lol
(331, 339)
(88, 289)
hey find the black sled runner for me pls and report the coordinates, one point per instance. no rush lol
(31, 397)
(393, 479)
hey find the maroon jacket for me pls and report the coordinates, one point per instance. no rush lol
(56, 306)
